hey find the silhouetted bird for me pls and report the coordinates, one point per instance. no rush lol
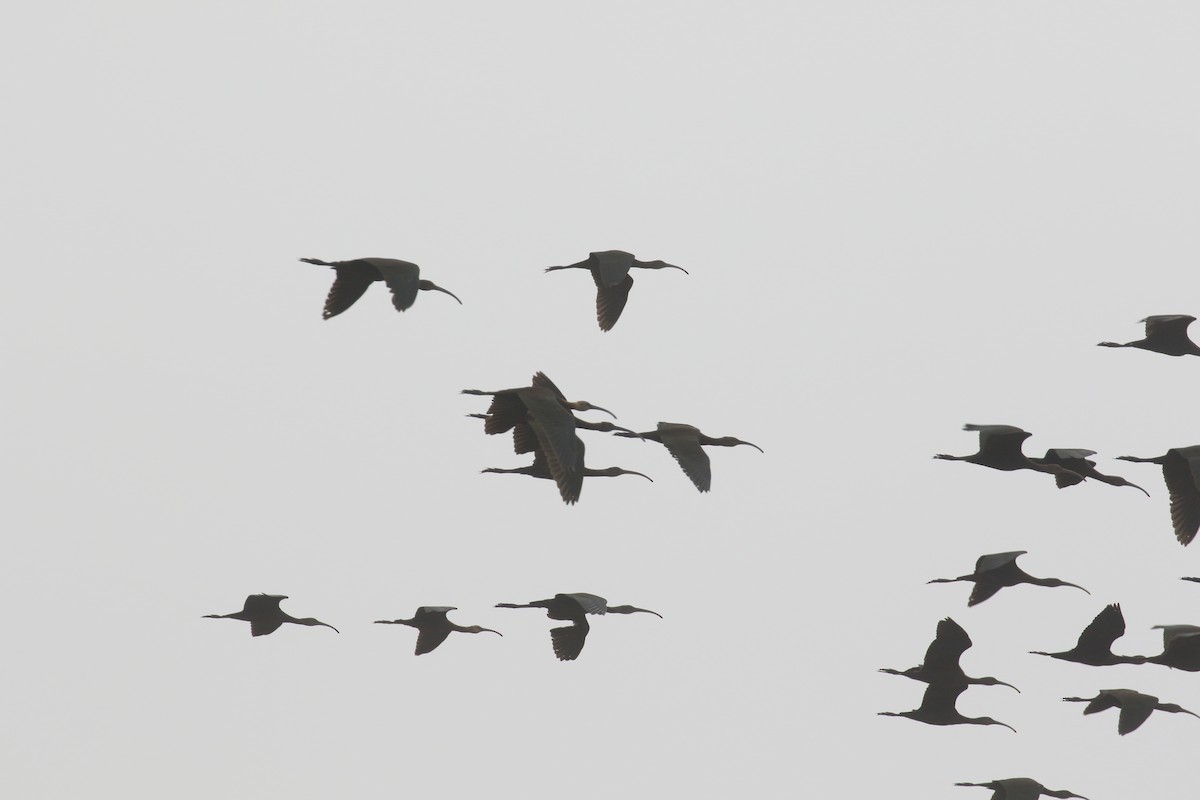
(572, 485)
(264, 615)
(1181, 470)
(353, 278)
(938, 708)
(1166, 334)
(941, 659)
(994, 572)
(568, 640)
(434, 627)
(1000, 448)
(1181, 647)
(1135, 707)
(540, 418)
(1194, 580)
(684, 443)
(1021, 789)
(1095, 643)
(610, 271)
(1077, 461)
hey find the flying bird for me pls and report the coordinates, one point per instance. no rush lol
(572, 484)
(264, 615)
(941, 660)
(540, 418)
(1181, 470)
(1166, 334)
(1076, 460)
(1095, 643)
(684, 443)
(610, 271)
(433, 627)
(1181, 647)
(568, 640)
(994, 572)
(1021, 789)
(1135, 707)
(353, 278)
(938, 708)
(1000, 448)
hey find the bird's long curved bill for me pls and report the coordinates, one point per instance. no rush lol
(435, 287)
(756, 447)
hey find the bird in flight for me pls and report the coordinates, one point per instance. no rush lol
(354, 277)
(1135, 707)
(1181, 471)
(941, 659)
(1021, 789)
(568, 640)
(684, 442)
(1095, 643)
(1000, 448)
(1166, 334)
(265, 616)
(433, 627)
(610, 271)
(995, 571)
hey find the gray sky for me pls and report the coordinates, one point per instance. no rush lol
(898, 217)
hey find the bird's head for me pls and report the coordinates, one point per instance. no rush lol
(584, 405)
(990, 681)
(730, 441)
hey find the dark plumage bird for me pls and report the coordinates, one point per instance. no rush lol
(433, 627)
(1181, 470)
(568, 640)
(1076, 460)
(684, 443)
(1166, 334)
(1135, 707)
(610, 271)
(1000, 448)
(572, 485)
(938, 708)
(353, 278)
(994, 572)
(1021, 789)
(941, 660)
(1181, 647)
(1095, 643)
(264, 615)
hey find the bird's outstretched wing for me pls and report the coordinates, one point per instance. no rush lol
(261, 627)
(949, 645)
(402, 277)
(1182, 475)
(1106, 628)
(568, 640)
(682, 442)
(430, 638)
(611, 299)
(1168, 325)
(1132, 716)
(353, 278)
(590, 603)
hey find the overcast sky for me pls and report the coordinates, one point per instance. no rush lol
(897, 218)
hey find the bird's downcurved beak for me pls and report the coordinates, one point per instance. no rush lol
(437, 288)
(756, 447)
(327, 625)
(489, 630)
(1009, 685)
(605, 410)
(1077, 586)
(632, 472)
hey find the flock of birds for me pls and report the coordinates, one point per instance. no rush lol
(1000, 448)
(543, 422)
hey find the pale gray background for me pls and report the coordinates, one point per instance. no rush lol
(898, 217)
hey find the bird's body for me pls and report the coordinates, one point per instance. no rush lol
(434, 627)
(1021, 789)
(1000, 448)
(1135, 707)
(1181, 647)
(354, 277)
(568, 640)
(1095, 643)
(610, 271)
(942, 657)
(1181, 471)
(995, 571)
(684, 442)
(938, 708)
(572, 484)
(265, 616)
(1076, 460)
(1166, 334)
